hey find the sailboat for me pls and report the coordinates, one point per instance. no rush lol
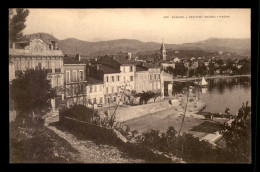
(203, 83)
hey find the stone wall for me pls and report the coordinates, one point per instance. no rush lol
(130, 112)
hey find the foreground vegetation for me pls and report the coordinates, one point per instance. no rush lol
(184, 146)
(35, 143)
(237, 136)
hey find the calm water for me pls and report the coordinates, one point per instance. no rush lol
(225, 93)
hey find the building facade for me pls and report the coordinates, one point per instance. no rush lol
(38, 54)
(75, 82)
(141, 79)
(95, 92)
(154, 78)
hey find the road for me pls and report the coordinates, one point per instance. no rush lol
(90, 152)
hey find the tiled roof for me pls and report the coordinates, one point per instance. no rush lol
(93, 81)
(107, 70)
(69, 60)
(23, 52)
(141, 68)
(124, 61)
(151, 65)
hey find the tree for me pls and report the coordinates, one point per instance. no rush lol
(170, 70)
(191, 72)
(32, 93)
(220, 63)
(211, 69)
(77, 90)
(177, 88)
(201, 70)
(145, 96)
(17, 18)
(238, 134)
(156, 94)
(246, 66)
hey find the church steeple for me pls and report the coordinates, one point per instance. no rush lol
(163, 51)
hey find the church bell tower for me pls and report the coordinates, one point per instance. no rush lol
(163, 51)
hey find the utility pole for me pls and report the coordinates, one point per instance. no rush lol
(184, 112)
(113, 116)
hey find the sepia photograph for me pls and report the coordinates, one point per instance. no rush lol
(130, 85)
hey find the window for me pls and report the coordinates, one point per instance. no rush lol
(123, 69)
(107, 79)
(131, 78)
(75, 89)
(154, 76)
(67, 76)
(74, 76)
(150, 77)
(131, 68)
(108, 100)
(49, 65)
(118, 89)
(81, 75)
(159, 76)
(112, 78)
(106, 90)
(91, 89)
(95, 88)
(100, 100)
(114, 99)
(94, 100)
(118, 78)
(124, 78)
(82, 88)
(100, 88)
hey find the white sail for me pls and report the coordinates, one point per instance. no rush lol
(203, 81)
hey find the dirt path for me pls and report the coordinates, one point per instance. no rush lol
(90, 152)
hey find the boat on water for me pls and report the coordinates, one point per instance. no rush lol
(191, 88)
(203, 83)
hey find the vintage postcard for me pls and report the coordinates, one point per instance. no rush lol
(128, 85)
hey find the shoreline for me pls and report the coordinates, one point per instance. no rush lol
(210, 77)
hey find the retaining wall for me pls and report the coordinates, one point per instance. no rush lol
(92, 130)
(130, 112)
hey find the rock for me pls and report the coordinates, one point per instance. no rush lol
(120, 136)
(129, 134)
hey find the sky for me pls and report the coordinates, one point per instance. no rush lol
(175, 26)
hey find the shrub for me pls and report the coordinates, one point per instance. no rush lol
(187, 147)
(79, 112)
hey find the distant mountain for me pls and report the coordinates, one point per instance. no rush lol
(239, 46)
(68, 46)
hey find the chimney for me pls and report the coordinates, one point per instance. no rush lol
(96, 59)
(55, 46)
(51, 46)
(129, 56)
(78, 57)
(97, 66)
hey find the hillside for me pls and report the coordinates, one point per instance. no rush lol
(68, 46)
